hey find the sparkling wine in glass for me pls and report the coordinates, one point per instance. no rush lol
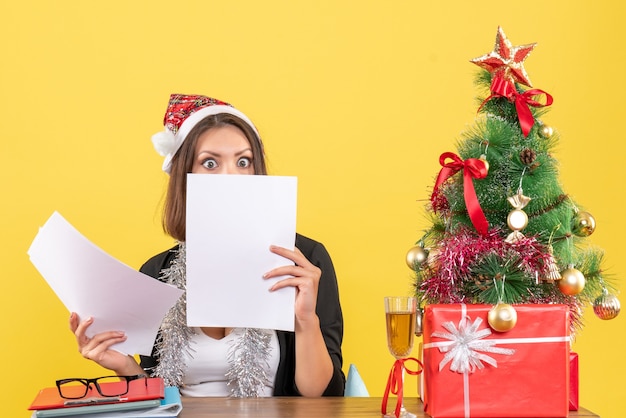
(400, 312)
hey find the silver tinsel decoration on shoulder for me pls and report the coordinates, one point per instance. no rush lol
(248, 359)
(175, 335)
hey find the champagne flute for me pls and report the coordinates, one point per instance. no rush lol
(400, 312)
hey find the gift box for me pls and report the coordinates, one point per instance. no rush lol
(573, 382)
(471, 370)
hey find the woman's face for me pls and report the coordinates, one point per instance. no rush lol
(223, 150)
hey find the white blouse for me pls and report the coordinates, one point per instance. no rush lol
(207, 365)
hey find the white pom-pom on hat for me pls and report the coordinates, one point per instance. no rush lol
(164, 142)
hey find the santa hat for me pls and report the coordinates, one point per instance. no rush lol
(183, 113)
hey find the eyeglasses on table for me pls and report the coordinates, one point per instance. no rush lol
(78, 387)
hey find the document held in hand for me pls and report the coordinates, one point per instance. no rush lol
(93, 284)
(231, 222)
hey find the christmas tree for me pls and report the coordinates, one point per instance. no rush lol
(503, 230)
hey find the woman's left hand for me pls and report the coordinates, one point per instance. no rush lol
(314, 367)
(305, 277)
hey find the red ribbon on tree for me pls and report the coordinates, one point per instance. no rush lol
(522, 105)
(500, 87)
(395, 383)
(473, 168)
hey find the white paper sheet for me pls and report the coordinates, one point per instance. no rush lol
(231, 222)
(91, 283)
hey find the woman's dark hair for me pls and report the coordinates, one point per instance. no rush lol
(174, 210)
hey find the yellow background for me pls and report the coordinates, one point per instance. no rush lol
(356, 98)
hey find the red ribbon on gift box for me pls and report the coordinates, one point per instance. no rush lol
(473, 168)
(395, 383)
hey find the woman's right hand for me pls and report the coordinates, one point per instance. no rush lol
(98, 347)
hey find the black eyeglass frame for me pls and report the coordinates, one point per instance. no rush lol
(88, 382)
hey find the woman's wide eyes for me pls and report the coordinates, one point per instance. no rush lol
(244, 162)
(209, 163)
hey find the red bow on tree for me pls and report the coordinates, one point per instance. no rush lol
(522, 105)
(504, 88)
(473, 168)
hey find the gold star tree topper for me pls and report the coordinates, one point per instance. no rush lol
(506, 62)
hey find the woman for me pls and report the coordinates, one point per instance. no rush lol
(205, 135)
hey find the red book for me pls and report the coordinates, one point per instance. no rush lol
(49, 397)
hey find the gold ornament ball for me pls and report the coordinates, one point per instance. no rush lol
(572, 281)
(517, 220)
(416, 256)
(545, 131)
(502, 317)
(584, 224)
(606, 306)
